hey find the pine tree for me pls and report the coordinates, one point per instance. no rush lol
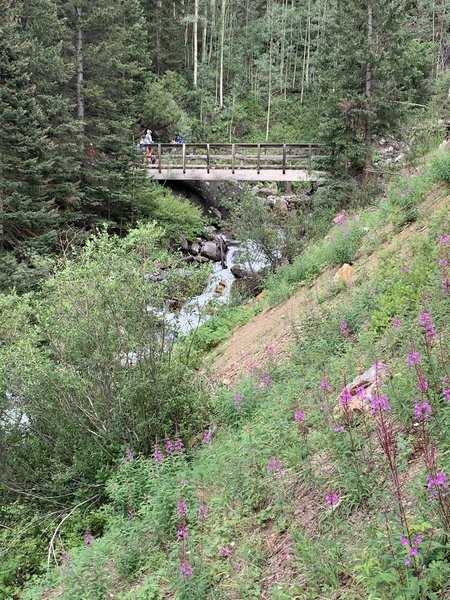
(359, 74)
(28, 215)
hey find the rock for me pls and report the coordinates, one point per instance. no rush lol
(155, 277)
(399, 158)
(216, 212)
(200, 259)
(445, 145)
(255, 190)
(184, 244)
(282, 205)
(210, 231)
(266, 191)
(187, 258)
(239, 272)
(344, 275)
(211, 250)
(220, 287)
(371, 382)
(270, 200)
(195, 248)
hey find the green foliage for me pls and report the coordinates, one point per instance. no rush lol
(174, 215)
(440, 167)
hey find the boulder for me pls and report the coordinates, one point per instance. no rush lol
(200, 259)
(210, 231)
(344, 275)
(187, 258)
(195, 248)
(282, 205)
(239, 272)
(184, 244)
(211, 250)
(371, 382)
(265, 191)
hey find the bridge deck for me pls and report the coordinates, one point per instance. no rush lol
(247, 162)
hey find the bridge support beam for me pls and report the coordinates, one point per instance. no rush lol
(193, 174)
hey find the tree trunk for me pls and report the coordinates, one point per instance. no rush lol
(368, 132)
(222, 41)
(80, 72)
(195, 58)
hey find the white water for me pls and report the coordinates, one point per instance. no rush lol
(194, 313)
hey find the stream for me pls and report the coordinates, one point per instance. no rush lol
(194, 313)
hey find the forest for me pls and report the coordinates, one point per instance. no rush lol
(136, 462)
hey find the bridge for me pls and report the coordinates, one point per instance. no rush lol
(236, 162)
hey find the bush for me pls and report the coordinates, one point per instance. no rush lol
(440, 166)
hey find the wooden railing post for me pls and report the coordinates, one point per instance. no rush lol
(233, 154)
(258, 162)
(159, 158)
(284, 159)
(208, 158)
(184, 159)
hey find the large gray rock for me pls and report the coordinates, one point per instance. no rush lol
(211, 250)
(239, 272)
(195, 248)
(184, 244)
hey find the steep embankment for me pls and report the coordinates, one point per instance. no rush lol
(274, 326)
(308, 483)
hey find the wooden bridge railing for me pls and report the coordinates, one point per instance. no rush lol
(234, 157)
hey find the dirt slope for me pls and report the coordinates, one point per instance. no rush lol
(248, 344)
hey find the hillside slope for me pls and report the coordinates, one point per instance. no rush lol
(305, 486)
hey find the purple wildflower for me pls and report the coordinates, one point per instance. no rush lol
(412, 552)
(447, 394)
(182, 508)
(361, 393)
(413, 358)
(426, 323)
(274, 466)
(225, 551)
(422, 383)
(238, 399)
(396, 323)
(186, 570)
(270, 351)
(130, 512)
(179, 445)
(203, 512)
(345, 397)
(88, 538)
(251, 368)
(404, 541)
(299, 416)
(379, 403)
(407, 562)
(169, 446)
(443, 262)
(338, 428)
(436, 484)
(417, 541)
(343, 327)
(444, 240)
(422, 410)
(324, 385)
(207, 437)
(332, 499)
(128, 455)
(266, 380)
(182, 534)
(157, 455)
(445, 283)
(404, 269)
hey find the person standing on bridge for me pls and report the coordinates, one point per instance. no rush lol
(149, 140)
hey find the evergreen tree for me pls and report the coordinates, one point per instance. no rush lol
(28, 215)
(360, 74)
